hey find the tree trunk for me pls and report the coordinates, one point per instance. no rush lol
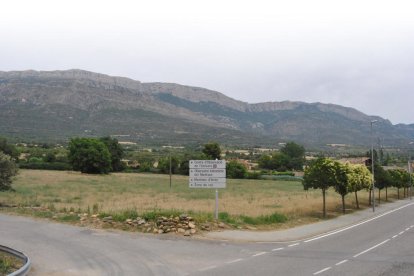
(356, 199)
(379, 196)
(343, 204)
(370, 199)
(324, 205)
(386, 193)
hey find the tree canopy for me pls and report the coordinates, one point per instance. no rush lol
(89, 155)
(116, 151)
(296, 155)
(212, 150)
(8, 149)
(320, 174)
(359, 177)
(290, 157)
(235, 169)
(8, 170)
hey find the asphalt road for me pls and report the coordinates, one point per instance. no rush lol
(381, 245)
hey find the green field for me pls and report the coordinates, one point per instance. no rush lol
(255, 200)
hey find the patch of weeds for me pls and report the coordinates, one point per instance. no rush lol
(264, 219)
(51, 207)
(225, 217)
(95, 208)
(43, 214)
(9, 264)
(152, 215)
(68, 218)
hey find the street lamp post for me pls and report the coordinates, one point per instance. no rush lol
(372, 167)
(411, 180)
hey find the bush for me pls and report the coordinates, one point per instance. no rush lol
(253, 175)
(236, 170)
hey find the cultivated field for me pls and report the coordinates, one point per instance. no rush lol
(115, 193)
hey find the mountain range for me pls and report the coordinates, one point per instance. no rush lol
(56, 105)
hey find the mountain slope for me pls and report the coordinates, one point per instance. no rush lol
(56, 105)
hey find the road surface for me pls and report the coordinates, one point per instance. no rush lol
(381, 245)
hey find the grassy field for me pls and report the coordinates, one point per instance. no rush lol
(116, 193)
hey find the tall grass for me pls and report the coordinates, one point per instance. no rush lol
(126, 194)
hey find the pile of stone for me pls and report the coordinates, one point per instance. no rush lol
(181, 225)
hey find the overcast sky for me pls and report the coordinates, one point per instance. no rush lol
(356, 53)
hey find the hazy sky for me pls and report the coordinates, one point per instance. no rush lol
(353, 53)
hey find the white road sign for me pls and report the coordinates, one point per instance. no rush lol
(207, 174)
(207, 164)
(207, 182)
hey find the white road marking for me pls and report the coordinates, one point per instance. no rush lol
(407, 229)
(341, 262)
(394, 236)
(277, 249)
(358, 224)
(402, 232)
(292, 245)
(323, 270)
(234, 261)
(259, 254)
(369, 249)
(208, 268)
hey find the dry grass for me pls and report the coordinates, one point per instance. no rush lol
(147, 192)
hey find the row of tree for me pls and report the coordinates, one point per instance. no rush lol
(324, 173)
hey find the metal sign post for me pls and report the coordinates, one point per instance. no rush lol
(208, 174)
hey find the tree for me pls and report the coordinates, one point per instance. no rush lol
(116, 151)
(235, 169)
(164, 164)
(382, 180)
(280, 162)
(8, 170)
(359, 177)
(341, 181)
(399, 178)
(89, 155)
(296, 155)
(184, 168)
(212, 150)
(8, 149)
(320, 174)
(265, 162)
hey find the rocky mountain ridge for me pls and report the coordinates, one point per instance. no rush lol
(75, 102)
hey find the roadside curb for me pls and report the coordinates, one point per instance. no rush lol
(27, 263)
(309, 230)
